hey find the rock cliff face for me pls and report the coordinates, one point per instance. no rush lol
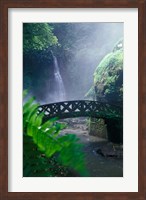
(108, 87)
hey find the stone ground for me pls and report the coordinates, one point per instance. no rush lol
(103, 159)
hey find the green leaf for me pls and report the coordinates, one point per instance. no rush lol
(43, 138)
(27, 105)
(32, 110)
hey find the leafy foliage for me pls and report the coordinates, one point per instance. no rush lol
(38, 36)
(43, 142)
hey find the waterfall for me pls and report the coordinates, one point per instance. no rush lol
(59, 85)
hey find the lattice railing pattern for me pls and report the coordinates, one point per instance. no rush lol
(79, 108)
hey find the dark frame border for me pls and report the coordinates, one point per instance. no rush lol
(4, 5)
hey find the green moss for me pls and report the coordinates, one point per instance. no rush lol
(108, 76)
(108, 68)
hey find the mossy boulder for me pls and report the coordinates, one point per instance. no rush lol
(108, 77)
(108, 87)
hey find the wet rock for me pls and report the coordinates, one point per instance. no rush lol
(111, 151)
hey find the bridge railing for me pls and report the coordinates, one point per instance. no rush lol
(79, 108)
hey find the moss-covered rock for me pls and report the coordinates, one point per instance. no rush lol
(108, 77)
(108, 87)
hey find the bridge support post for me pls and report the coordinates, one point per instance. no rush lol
(97, 128)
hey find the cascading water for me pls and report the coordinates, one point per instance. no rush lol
(59, 85)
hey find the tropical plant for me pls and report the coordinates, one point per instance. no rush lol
(45, 151)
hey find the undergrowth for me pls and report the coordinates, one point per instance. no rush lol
(45, 151)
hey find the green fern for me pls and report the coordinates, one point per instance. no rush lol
(45, 139)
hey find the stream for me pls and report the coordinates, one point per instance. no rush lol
(103, 158)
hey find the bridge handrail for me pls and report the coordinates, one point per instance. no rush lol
(90, 101)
